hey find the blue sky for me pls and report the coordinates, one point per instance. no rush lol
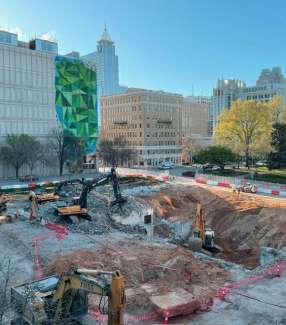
(173, 45)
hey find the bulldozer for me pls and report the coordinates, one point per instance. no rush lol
(63, 299)
(79, 206)
(203, 236)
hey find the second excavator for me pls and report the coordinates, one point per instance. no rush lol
(203, 236)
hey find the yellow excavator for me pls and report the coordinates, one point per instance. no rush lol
(55, 195)
(202, 236)
(79, 207)
(64, 300)
(4, 199)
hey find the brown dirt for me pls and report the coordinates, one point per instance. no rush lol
(242, 224)
(148, 269)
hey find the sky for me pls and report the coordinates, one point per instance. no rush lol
(180, 46)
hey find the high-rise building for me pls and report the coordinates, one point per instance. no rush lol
(41, 90)
(226, 91)
(106, 62)
(270, 83)
(149, 120)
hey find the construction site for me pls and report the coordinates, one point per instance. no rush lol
(123, 248)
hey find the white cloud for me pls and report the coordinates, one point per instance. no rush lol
(50, 36)
(15, 30)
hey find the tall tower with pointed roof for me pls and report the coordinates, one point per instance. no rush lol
(106, 62)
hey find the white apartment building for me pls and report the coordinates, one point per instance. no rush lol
(27, 92)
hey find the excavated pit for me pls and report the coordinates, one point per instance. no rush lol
(243, 224)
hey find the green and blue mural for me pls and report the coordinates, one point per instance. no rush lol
(76, 100)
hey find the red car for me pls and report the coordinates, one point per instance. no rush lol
(28, 178)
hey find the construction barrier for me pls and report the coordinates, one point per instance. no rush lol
(260, 190)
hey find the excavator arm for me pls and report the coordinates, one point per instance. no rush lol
(91, 281)
(80, 208)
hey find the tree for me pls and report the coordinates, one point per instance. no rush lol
(190, 147)
(123, 153)
(116, 152)
(64, 145)
(246, 128)
(277, 157)
(14, 151)
(216, 155)
(278, 108)
(35, 153)
(106, 152)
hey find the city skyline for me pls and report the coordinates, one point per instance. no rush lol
(181, 47)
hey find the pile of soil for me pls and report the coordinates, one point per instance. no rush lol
(148, 269)
(242, 223)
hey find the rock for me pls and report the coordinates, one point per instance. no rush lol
(175, 303)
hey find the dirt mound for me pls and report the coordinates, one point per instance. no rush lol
(148, 269)
(242, 223)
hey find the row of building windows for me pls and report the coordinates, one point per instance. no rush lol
(27, 79)
(27, 95)
(33, 127)
(120, 100)
(261, 97)
(20, 111)
(32, 61)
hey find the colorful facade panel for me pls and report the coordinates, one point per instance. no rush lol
(76, 100)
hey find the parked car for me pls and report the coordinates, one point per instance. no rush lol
(28, 178)
(166, 165)
(189, 173)
(208, 166)
(262, 163)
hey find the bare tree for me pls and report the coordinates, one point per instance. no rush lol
(35, 153)
(66, 147)
(13, 152)
(116, 152)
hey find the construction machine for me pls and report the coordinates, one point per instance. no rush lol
(203, 236)
(4, 198)
(248, 188)
(64, 300)
(79, 207)
(55, 195)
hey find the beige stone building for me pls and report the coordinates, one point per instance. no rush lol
(149, 120)
(194, 116)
